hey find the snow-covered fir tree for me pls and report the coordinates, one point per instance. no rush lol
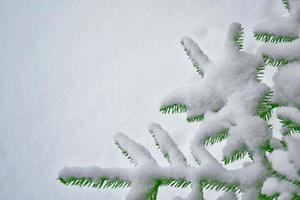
(230, 102)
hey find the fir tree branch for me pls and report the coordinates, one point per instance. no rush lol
(239, 38)
(214, 184)
(290, 126)
(196, 118)
(102, 182)
(166, 144)
(165, 182)
(266, 37)
(260, 72)
(174, 108)
(276, 62)
(134, 151)
(210, 140)
(266, 197)
(267, 147)
(195, 54)
(265, 106)
(165, 154)
(235, 37)
(286, 4)
(125, 153)
(237, 155)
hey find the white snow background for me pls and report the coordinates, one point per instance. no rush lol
(74, 72)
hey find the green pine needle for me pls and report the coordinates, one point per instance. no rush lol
(275, 62)
(170, 182)
(174, 108)
(277, 174)
(196, 118)
(210, 140)
(125, 153)
(194, 63)
(213, 184)
(239, 38)
(102, 182)
(165, 154)
(237, 155)
(290, 126)
(286, 4)
(267, 147)
(265, 197)
(265, 106)
(266, 37)
(260, 72)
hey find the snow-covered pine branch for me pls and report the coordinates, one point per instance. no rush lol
(230, 103)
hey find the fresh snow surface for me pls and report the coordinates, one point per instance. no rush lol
(289, 51)
(227, 196)
(285, 26)
(282, 162)
(167, 145)
(286, 86)
(273, 185)
(289, 113)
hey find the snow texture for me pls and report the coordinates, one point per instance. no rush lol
(289, 51)
(167, 145)
(228, 196)
(291, 113)
(273, 186)
(284, 26)
(286, 86)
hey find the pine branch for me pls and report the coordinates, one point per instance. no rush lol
(237, 155)
(174, 108)
(125, 153)
(290, 126)
(196, 118)
(260, 72)
(194, 53)
(133, 151)
(167, 146)
(286, 5)
(267, 147)
(102, 182)
(214, 184)
(266, 37)
(276, 62)
(235, 37)
(210, 140)
(277, 174)
(170, 182)
(266, 197)
(165, 154)
(239, 38)
(265, 106)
